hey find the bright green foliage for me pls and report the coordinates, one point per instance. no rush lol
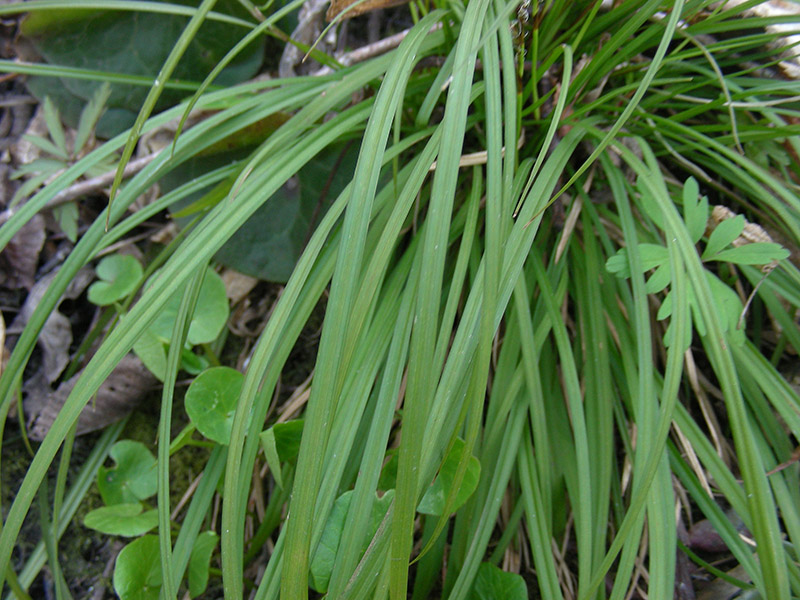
(199, 562)
(717, 248)
(325, 556)
(61, 155)
(492, 583)
(119, 275)
(133, 478)
(281, 442)
(209, 315)
(127, 520)
(509, 165)
(137, 574)
(211, 402)
(433, 502)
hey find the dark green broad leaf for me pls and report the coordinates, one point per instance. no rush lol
(211, 402)
(199, 562)
(133, 43)
(433, 502)
(269, 244)
(137, 573)
(281, 444)
(134, 476)
(325, 555)
(492, 583)
(128, 520)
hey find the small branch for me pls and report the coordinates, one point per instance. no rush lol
(95, 184)
(371, 50)
(85, 187)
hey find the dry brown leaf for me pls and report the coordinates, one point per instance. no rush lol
(56, 336)
(20, 258)
(118, 395)
(237, 285)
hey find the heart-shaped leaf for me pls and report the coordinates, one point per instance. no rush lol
(119, 274)
(433, 501)
(209, 317)
(128, 520)
(137, 573)
(325, 555)
(199, 562)
(281, 443)
(211, 402)
(134, 476)
(492, 583)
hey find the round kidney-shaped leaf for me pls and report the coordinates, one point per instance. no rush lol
(128, 520)
(491, 583)
(435, 498)
(137, 574)
(211, 401)
(119, 274)
(199, 562)
(210, 313)
(133, 478)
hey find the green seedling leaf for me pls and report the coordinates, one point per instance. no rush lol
(388, 478)
(281, 443)
(325, 555)
(727, 303)
(199, 562)
(659, 279)
(137, 573)
(209, 317)
(50, 148)
(67, 217)
(134, 43)
(651, 256)
(192, 363)
(119, 275)
(128, 520)
(759, 253)
(492, 583)
(650, 205)
(55, 128)
(729, 308)
(211, 402)
(695, 213)
(133, 478)
(151, 351)
(433, 501)
(723, 234)
(184, 438)
(91, 114)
